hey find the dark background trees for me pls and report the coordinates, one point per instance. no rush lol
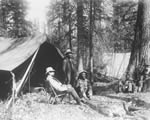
(89, 27)
(140, 47)
(109, 24)
(13, 22)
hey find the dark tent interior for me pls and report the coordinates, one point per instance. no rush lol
(5, 83)
(47, 56)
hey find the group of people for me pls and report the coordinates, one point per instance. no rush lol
(126, 86)
(139, 85)
(78, 88)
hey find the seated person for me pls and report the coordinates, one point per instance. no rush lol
(129, 84)
(120, 86)
(146, 77)
(140, 85)
(83, 85)
(51, 81)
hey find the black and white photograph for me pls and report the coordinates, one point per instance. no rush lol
(74, 59)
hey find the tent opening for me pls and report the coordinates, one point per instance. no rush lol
(47, 55)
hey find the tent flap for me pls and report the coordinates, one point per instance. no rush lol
(18, 59)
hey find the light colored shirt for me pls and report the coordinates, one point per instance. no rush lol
(56, 84)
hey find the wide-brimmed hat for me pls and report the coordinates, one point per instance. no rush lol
(83, 71)
(49, 69)
(68, 51)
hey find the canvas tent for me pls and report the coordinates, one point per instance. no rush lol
(16, 56)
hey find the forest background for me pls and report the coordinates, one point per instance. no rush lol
(90, 28)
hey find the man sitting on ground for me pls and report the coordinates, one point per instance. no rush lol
(51, 81)
(83, 85)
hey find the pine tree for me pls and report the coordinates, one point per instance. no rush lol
(140, 46)
(13, 17)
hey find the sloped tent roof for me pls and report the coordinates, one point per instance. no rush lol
(16, 54)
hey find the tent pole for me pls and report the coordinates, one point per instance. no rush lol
(13, 86)
(26, 73)
(24, 80)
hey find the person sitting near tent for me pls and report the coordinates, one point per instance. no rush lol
(83, 85)
(52, 81)
(146, 77)
(138, 76)
(69, 68)
(140, 85)
(120, 86)
(128, 84)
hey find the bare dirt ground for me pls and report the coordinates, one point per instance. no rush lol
(35, 106)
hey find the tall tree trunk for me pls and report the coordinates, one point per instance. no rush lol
(70, 31)
(67, 7)
(4, 14)
(140, 46)
(59, 27)
(144, 53)
(80, 30)
(91, 42)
